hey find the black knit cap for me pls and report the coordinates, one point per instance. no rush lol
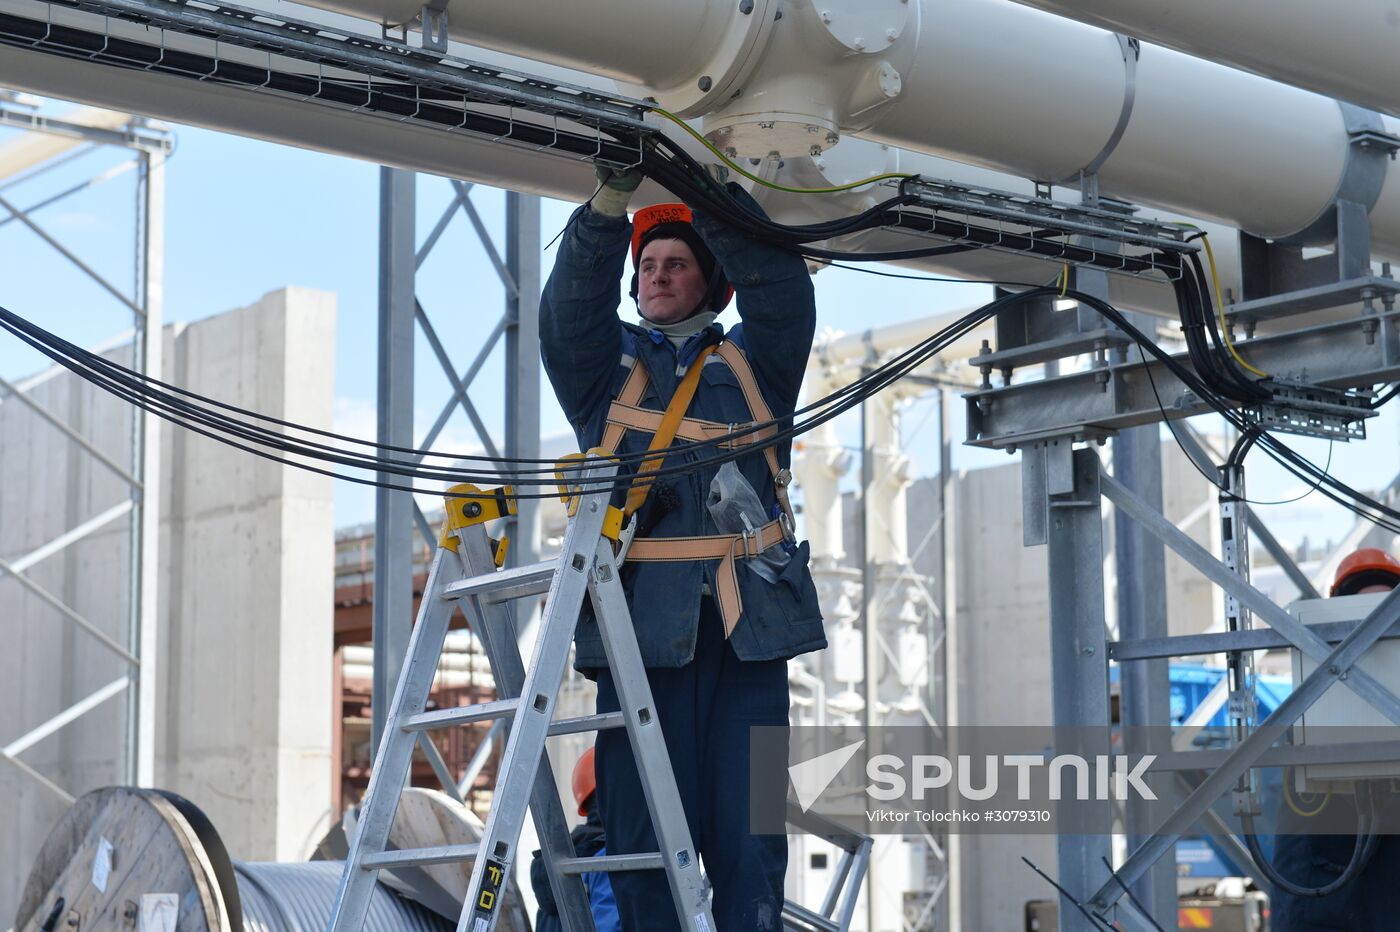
(717, 291)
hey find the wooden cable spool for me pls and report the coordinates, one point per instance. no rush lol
(149, 861)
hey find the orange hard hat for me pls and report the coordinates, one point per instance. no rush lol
(719, 291)
(585, 781)
(655, 215)
(1369, 566)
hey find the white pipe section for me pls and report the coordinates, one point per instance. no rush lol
(986, 82)
(1344, 50)
(1038, 96)
(417, 148)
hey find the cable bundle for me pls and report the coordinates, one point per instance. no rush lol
(305, 447)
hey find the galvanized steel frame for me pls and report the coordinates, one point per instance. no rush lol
(401, 316)
(1080, 652)
(149, 147)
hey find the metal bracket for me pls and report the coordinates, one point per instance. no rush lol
(434, 21)
(1314, 411)
(1047, 468)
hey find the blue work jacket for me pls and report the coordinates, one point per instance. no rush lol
(588, 353)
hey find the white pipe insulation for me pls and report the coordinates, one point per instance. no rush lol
(985, 82)
(1344, 50)
(419, 148)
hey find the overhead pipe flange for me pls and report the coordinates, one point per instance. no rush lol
(735, 56)
(828, 68)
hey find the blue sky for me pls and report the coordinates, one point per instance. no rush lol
(245, 217)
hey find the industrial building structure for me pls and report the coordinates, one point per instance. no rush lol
(1025, 148)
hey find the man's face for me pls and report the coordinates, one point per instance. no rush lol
(669, 282)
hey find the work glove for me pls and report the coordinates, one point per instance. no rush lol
(616, 186)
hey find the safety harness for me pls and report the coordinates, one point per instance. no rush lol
(627, 414)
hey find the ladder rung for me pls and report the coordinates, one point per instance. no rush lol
(413, 857)
(610, 863)
(569, 726)
(461, 715)
(812, 920)
(504, 585)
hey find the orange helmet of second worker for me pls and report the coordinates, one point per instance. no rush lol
(585, 781)
(1369, 566)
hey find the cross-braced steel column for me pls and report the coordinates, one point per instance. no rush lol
(393, 511)
(1145, 696)
(1078, 648)
(139, 645)
(401, 318)
(523, 363)
(147, 347)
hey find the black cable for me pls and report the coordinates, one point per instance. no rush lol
(137, 389)
(1132, 899)
(1092, 917)
(1367, 837)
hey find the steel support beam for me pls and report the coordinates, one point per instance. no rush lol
(1078, 656)
(44, 551)
(1101, 401)
(139, 644)
(66, 430)
(393, 510)
(149, 349)
(1186, 645)
(77, 710)
(1144, 687)
(522, 348)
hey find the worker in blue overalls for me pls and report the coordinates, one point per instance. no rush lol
(718, 614)
(1316, 836)
(589, 842)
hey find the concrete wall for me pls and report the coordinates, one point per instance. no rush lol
(245, 594)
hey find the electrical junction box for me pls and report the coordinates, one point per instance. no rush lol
(1340, 714)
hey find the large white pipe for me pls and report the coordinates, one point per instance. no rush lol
(981, 81)
(419, 148)
(1344, 50)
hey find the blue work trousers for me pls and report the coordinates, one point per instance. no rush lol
(705, 709)
(1370, 903)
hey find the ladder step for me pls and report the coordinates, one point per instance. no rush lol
(504, 585)
(461, 715)
(570, 726)
(610, 863)
(414, 857)
(808, 918)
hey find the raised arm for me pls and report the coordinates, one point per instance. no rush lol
(775, 301)
(580, 338)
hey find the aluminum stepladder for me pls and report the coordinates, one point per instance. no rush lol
(464, 569)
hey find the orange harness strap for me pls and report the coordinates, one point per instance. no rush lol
(665, 433)
(626, 414)
(739, 365)
(725, 548)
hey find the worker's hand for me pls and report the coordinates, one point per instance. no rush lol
(616, 187)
